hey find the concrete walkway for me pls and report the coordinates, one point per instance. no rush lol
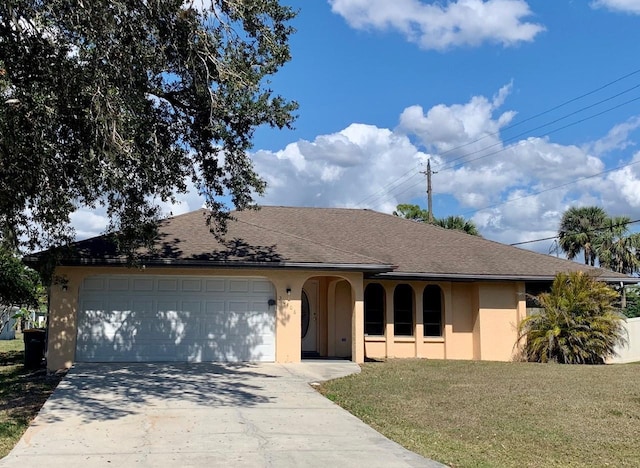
(191, 415)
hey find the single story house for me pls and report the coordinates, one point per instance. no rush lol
(289, 282)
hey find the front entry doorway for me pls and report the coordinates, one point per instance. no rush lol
(309, 329)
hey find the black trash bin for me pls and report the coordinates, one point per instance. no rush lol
(34, 339)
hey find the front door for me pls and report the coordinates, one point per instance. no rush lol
(309, 330)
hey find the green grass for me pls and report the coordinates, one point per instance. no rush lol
(22, 392)
(485, 414)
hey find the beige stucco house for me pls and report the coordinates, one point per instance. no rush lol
(285, 283)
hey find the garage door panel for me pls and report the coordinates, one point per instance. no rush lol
(167, 285)
(191, 319)
(142, 284)
(238, 286)
(259, 286)
(118, 284)
(102, 319)
(191, 285)
(215, 285)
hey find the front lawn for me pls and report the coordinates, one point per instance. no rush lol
(469, 413)
(22, 393)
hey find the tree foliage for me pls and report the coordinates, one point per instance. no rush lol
(603, 238)
(459, 223)
(122, 103)
(412, 212)
(415, 213)
(579, 229)
(578, 323)
(618, 249)
(633, 302)
(19, 285)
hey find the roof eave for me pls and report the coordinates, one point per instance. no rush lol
(399, 275)
(186, 263)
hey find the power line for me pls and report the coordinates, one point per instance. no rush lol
(540, 114)
(589, 230)
(552, 188)
(387, 190)
(393, 182)
(534, 240)
(566, 116)
(506, 148)
(571, 124)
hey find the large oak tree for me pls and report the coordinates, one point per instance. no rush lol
(122, 103)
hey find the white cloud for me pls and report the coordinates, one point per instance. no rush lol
(625, 6)
(617, 138)
(623, 186)
(442, 25)
(513, 191)
(340, 169)
(459, 129)
(89, 222)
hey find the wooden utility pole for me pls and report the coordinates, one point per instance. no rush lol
(429, 191)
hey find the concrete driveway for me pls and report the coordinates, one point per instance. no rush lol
(162, 415)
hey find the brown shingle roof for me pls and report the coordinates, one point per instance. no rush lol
(342, 238)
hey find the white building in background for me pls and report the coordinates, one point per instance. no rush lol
(630, 352)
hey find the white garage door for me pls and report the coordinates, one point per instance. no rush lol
(145, 318)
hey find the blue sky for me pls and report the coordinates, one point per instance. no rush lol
(385, 85)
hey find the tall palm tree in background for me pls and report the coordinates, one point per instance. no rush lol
(458, 223)
(617, 249)
(580, 230)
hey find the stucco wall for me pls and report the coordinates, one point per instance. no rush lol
(479, 319)
(459, 322)
(342, 321)
(500, 306)
(630, 352)
(375, 347)
(64, 303)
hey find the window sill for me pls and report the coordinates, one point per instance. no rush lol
(375, 338)
(404, 339)
(434, 339)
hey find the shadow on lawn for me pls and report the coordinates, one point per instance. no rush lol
(23, 391)
(11, 358)
(112, 391)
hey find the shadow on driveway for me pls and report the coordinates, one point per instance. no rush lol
(100, 392)
(168, 415)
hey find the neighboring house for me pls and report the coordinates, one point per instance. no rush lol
(292, 282)
(7, 322)
(630, 351)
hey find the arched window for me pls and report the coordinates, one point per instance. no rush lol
(432, 310)
(403, 310)
(374, 302)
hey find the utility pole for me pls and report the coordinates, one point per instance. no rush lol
(429, 191)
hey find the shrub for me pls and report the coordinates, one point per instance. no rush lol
(577, 324)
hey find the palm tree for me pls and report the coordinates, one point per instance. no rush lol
(617, 249)
(458, 223)
(578, 323)
(415, 213)
(579, 231)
